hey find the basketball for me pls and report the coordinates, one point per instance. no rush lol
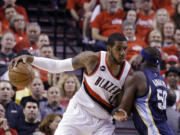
(22, 75)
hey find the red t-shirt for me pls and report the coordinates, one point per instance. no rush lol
(170, 50)
(20, 37)
(75, 4)
(23, 44)
(5, 26)
(144, 25)
(170, 10)
(134, 47)
(160, 4)
(108, 23)
(64, 103)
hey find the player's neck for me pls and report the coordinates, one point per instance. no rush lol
(114, 67)
(112, 64)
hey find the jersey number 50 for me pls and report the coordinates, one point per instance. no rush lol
(161, 96)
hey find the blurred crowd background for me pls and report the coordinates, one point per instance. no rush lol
(60, 29)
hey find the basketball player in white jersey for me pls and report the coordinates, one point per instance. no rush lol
(89, 111)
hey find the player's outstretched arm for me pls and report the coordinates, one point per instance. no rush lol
(57, 66)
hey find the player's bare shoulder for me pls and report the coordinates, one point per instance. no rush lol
(85, 59)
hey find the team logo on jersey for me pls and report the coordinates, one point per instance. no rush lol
(102, 68)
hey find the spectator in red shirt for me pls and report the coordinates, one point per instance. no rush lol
(4, 127)
(19, 9)
(175, 47)
(68, 85)
(157, 4)
(33, 31)
(9, 11)
(107, 23)
(171, 7)
(74, 6)
(145, 18)
(18, 26)
(135, 44)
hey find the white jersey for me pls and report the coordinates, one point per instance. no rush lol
(99, 89)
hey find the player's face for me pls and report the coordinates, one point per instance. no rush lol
(118, 51)
(139, 63)
(55, 123)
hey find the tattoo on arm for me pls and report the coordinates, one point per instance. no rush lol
(84, 59)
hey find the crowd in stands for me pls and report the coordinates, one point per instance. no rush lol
(38, 108)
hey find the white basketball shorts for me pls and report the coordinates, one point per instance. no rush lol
(77, 121)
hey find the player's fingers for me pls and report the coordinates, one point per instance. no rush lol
(19, 59)
(120, 115)
(24, 60)
(15, 63)
(11, 64)
(118, 118)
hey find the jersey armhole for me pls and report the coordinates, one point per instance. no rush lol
(96, 68)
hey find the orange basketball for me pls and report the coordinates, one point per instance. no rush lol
(22, 75)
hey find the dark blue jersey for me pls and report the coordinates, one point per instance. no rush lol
(149, 113)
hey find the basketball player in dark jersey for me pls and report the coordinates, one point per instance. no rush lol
(145, 94)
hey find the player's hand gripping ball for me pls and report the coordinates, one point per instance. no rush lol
(21, 75)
